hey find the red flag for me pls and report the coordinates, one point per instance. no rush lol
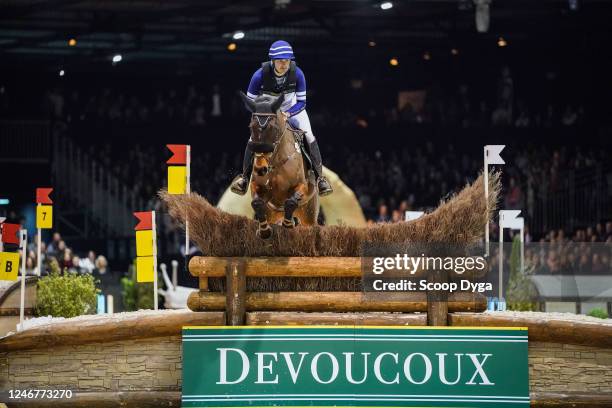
(10, 233)
(179, 154)
(145, 220)
(42, 195)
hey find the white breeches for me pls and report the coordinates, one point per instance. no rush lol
(302, 122)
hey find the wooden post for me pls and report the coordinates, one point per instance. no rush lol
(437, 301)
(236, 293)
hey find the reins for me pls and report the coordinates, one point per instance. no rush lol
(273, 167)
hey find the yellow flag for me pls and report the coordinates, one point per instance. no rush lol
(144, 269)
(44, 216)
(144, 243)
(177, 179)
(9, 266)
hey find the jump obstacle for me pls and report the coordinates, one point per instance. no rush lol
(254, 308)
(143, 349)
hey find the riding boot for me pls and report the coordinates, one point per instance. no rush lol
(240, 184)
(315, 154)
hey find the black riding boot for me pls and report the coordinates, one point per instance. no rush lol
(240, 185)
(315, 154)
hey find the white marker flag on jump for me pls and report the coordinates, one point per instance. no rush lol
(509, 219)
(491, 156)
(413, 215)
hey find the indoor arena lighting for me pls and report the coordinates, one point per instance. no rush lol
(386, 5)
(231, 47)
(62, 72)
(455, 51)
(372, 43)
(426, 56)
(501, 42)
(238, 35)
(117, 58)
(72, 42)
(394, 62)
(574, 5)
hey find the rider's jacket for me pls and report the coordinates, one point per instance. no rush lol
(292, 84)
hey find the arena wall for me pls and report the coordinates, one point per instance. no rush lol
(144, 368)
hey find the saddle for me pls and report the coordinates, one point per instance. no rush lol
(299, 137)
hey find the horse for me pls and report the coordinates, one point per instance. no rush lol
(283, 190)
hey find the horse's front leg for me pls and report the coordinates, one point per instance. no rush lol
(264, 230)
(291, 204)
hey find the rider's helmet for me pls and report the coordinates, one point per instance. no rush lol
(281, 50)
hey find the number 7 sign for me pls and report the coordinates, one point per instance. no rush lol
(44, 216)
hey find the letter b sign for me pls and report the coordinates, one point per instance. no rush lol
(9, 265)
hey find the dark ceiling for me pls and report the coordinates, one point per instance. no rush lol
(197, 32)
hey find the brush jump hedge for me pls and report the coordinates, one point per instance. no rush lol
(317, 269)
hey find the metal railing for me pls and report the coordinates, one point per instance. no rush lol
(24, 141)
(582, 198)
(87, 184)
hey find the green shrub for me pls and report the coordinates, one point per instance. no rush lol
(600, 313)
(128, 294)
(520, 293)
(66, 295)
(136, 295)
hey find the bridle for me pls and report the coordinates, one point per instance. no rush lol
(263, 120)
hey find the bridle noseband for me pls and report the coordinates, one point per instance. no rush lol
(263, 120)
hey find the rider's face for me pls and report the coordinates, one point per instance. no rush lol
(281, 66)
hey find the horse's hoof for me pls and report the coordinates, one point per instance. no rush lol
(264, 233)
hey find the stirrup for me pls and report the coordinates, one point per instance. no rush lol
(327, 191)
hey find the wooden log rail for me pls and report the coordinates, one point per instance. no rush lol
(240, 304)
(204, 267)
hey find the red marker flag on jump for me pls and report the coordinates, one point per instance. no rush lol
(42, 195)
(179, 154)
(145, 220)
(10, 233)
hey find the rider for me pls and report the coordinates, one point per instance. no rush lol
(278, 76)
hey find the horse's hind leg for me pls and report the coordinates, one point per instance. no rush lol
(291, 204)
(264, 230)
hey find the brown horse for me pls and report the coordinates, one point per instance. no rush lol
(282, 189)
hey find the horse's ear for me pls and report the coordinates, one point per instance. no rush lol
(248, 102)
(277, 103)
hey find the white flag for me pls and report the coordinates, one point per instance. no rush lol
(510, 219)
(413, 215)
(492, 154)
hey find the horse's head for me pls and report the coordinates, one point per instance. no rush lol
(267, 127)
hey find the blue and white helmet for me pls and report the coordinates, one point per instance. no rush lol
(281, 50)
